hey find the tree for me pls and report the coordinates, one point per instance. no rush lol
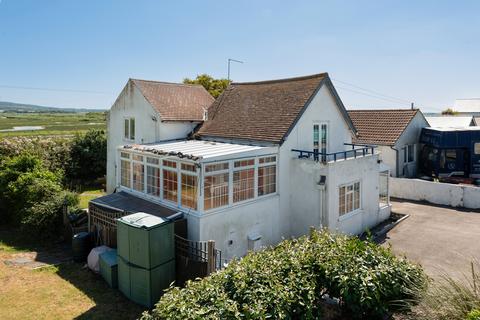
(449, 111)
(88, 154)
(214, 86)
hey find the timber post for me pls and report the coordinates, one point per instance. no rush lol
(210, 256)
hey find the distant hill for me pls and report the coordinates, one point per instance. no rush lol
(30, 108)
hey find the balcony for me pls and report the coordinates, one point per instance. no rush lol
(356, 151)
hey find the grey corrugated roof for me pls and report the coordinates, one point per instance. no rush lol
(200, 149)
(123, 201)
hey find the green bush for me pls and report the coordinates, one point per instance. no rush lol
(88, 154)
(45, 218)
(474, 315)
(290, 281)
(31, 196)
(54, 152)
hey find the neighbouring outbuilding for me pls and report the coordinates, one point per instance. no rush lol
(441, 121)
(396, 132)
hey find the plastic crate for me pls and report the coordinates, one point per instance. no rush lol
(109, 267)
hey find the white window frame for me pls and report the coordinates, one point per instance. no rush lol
(120, 175)
(214, 173)
(189, 173)
(406, 150)
(156, 166)
(230, 171)
(127, 136)
(200, 175)
(360, 202)
(255, 170)
(266, 164)
(142, 162)
(320, 124)
(171, 202)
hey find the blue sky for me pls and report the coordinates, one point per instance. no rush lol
(81, 53)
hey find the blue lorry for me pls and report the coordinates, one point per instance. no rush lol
(450, 152)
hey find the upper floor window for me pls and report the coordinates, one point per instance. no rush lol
(320, 140)
(129, 129)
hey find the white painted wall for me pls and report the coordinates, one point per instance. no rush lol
(299, 195)
(365, 170)
(411, 135)
(235, 224)
(435, 192)
(388, 156)
(131, 103)
(323, 108)
(306, 200)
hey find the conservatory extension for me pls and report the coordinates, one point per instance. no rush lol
(198, 176)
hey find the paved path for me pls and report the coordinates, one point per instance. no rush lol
(441, 239)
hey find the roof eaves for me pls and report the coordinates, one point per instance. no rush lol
(342, 106)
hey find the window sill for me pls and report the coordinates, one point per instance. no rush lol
(349, 215)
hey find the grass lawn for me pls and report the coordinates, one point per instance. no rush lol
(88, 195)
(53, 123)
(66, 291)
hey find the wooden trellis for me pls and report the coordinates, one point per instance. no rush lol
(102, 221)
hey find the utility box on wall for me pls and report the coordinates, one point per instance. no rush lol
(254, 242)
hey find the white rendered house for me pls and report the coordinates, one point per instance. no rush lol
(270, 160)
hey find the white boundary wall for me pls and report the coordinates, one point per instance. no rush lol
(435, 192)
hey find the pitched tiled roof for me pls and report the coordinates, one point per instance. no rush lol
(175, 101)
(262, 111)
(382, 127)
(476, 120)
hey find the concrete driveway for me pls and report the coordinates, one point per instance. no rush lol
(441, 239)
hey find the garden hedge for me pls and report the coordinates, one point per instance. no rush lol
(291, 280)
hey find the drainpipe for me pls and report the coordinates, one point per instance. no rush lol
(322, 187)
(396, 160)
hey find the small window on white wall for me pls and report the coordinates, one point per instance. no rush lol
(349, 198)
(129, 129)
(409, 153)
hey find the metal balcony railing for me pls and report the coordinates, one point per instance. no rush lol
(356, 152)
